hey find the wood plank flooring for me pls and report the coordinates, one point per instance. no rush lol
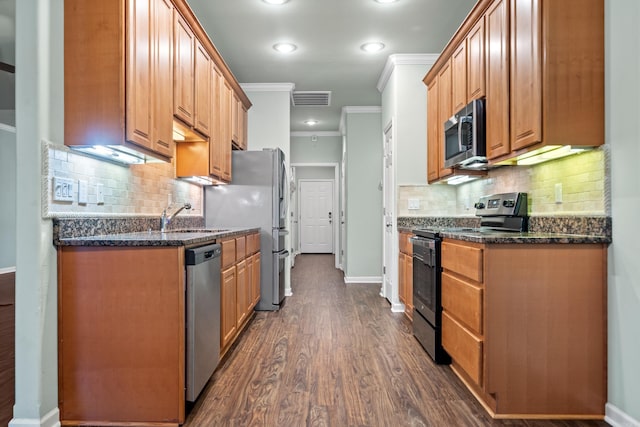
(7, 344)
(335, 355)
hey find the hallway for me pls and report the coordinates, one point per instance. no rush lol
(336, 355)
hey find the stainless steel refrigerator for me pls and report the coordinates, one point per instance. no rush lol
(256, 197)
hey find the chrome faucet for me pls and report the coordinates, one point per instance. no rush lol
(165, 219)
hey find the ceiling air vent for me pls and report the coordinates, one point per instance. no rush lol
(318, 98)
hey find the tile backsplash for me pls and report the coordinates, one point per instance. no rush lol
(584, 179)
(136, 190)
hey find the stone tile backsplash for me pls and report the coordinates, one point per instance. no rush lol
(136, 190)
(584, 179)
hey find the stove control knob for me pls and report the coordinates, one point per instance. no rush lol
(508, 203)
(479, 205)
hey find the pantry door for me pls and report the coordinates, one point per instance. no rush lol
(316, 216)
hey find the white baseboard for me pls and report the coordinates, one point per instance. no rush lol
(363, 279)
(7, 270)
(397, 308)
(52, 419)
(617, 418)
(288, 292)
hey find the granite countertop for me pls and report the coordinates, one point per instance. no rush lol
(570, 229)
(180, 237)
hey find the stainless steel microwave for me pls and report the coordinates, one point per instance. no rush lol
(464, 138)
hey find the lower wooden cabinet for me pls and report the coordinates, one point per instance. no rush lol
(240, 282)
(525, 326)
(405, 273)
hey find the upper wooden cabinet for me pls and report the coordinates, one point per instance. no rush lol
(540, 65)
(184, 69)
(202, 90)
(459, 78)
(445, 110)
(497, 82)
(117, 71)
(433, 132)
(476, 62)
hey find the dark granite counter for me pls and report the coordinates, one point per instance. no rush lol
(185, 237)
(576, 230)
(138, 231)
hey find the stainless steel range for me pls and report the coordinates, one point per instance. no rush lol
(498, 212)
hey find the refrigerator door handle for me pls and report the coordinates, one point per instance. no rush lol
(283, 254)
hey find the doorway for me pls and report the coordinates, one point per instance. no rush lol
(389, 247)
(316, 216)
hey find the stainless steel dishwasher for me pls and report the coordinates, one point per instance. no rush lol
(202, 316)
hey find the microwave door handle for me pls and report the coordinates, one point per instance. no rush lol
(460, 135)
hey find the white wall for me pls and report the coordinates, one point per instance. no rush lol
(8, 195)
(364, 196)
(622, 112)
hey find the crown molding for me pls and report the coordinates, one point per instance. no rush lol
(404, 59)
(319, 133)
(268, 87)
(356, 110)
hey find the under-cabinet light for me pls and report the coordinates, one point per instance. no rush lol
(548, 153)
(461, 179)
(113, 153)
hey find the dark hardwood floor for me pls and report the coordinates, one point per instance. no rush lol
(336, 355)
(7, 352)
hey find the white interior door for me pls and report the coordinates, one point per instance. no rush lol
(389, 255)
(316, 216)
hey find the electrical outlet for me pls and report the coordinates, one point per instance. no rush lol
(414, 204)
(100, 194)
(558, 191)
(63, 189)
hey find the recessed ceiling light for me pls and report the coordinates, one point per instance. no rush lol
(384, 1)
(285, 47)
(311, 122)
(277, 1)
(372, 47)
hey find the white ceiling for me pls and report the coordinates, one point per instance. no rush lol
(328, 34)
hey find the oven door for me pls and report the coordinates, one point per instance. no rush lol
(425, 278)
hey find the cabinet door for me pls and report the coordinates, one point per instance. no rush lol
(225, 125)
(216, 156)
(459, 77)
(184, 70)
(241, 293)
(497, 101)
(526, 73)
(475, 62)
(139, 74)
(163, 78)
(235, 119)
(228, 306)
(434, 128)
(444, 112)
(202, 90)
(242, 125)
(408, 280)
(255, 280)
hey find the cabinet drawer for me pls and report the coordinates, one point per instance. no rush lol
(463, 346)
(228, 253)
(463, 300)
(241, 248)
(253, 243)
(465, 260)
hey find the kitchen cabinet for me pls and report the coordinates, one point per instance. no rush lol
(557, 73)
(434, 128)
(445, 110)
(239, 258)
(518, 323)
(202, 90)
(216, 144)
(475, 78)
(238, 123)
(459, 78)
(542, 71)
(497, 101)
(405, 272)
(184, 69)
(117, 75)
(121, 335)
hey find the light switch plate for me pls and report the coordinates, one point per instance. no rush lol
(414, 204)
(82, 192)
(63, 189)
(558, 191)
(100, 194)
